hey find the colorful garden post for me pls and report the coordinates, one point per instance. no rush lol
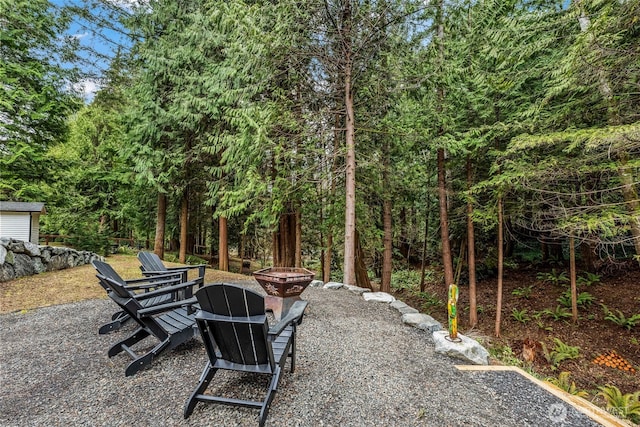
(453, 312)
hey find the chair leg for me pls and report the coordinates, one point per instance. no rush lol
(144, 360)
(137, 336)
(205, 380)
(292, 351)
(117, 320)
(264, 411)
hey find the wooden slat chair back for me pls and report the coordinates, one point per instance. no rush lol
(236, 334)
(170, 324)
(151, 265)
(129, 287)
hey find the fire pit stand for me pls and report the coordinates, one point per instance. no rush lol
(283, 286)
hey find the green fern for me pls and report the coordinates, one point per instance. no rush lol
(558, 314)
(554, 277)
(588, 279)
(520, 315)
(621, 320)
(523, 292)
(622, 405)
(560, 353)
(569, 386)
(583, 299)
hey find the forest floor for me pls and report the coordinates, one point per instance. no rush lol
(531, 322)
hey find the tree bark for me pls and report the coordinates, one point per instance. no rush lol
(326, 273)
(241, 250)
(158, 245)
(447, 262)
(223, 247)
(572, 273)
(298, 251)
(387, 253)
(350, 178)
(500, 268)
(471, 254)
(184, 226)
(425, 246)
(362, 276)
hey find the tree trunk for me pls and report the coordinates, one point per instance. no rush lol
(387, 253)
(471, 254)
(223, 247)
(362, 277)
(500, 268)
(572, 273)
(588, 256)
(184, 226)
(158, 245)
(350, 178)
(423, 267)
(326, 273)
(447, 262)
(241, 250)
(285, 241)
(298, 230)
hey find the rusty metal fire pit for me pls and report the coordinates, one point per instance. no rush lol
(283, 286)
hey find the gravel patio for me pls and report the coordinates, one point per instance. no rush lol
(357, 365)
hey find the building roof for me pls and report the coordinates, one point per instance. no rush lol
(22, 207)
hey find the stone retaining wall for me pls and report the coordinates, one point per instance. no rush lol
(18, 258)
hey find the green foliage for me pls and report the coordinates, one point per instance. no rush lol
(35, 99)
(625, 406)
(559, 313)
(87, 237)
(588, 279)
(565, 384)
(556, 278)
(405, 279)
(523, 292)
(520, 315)
(583, 299)
(560, 352)
(190, 260)
(127, 250)
(620, 319)
(430, 301)
(505, 354)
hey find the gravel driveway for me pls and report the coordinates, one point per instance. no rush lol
(357, 365)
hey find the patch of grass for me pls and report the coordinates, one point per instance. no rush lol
(77, 284)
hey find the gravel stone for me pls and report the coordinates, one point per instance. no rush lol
(357, 365)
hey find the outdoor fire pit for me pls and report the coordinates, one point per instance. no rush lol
(283, 286)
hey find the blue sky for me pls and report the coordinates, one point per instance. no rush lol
(93, 37)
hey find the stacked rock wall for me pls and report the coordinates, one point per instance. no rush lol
(18, 258)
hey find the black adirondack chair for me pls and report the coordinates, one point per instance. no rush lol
(134, 286)
(237, 337)
(152, 265)
(170, 324)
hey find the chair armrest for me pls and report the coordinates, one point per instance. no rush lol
(190, 304)
(294, 315)
(201, 268)
(166, 290)
(170, 277)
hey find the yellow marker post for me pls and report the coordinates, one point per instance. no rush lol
(453, 312)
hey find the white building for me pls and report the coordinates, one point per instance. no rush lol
(21, 220)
